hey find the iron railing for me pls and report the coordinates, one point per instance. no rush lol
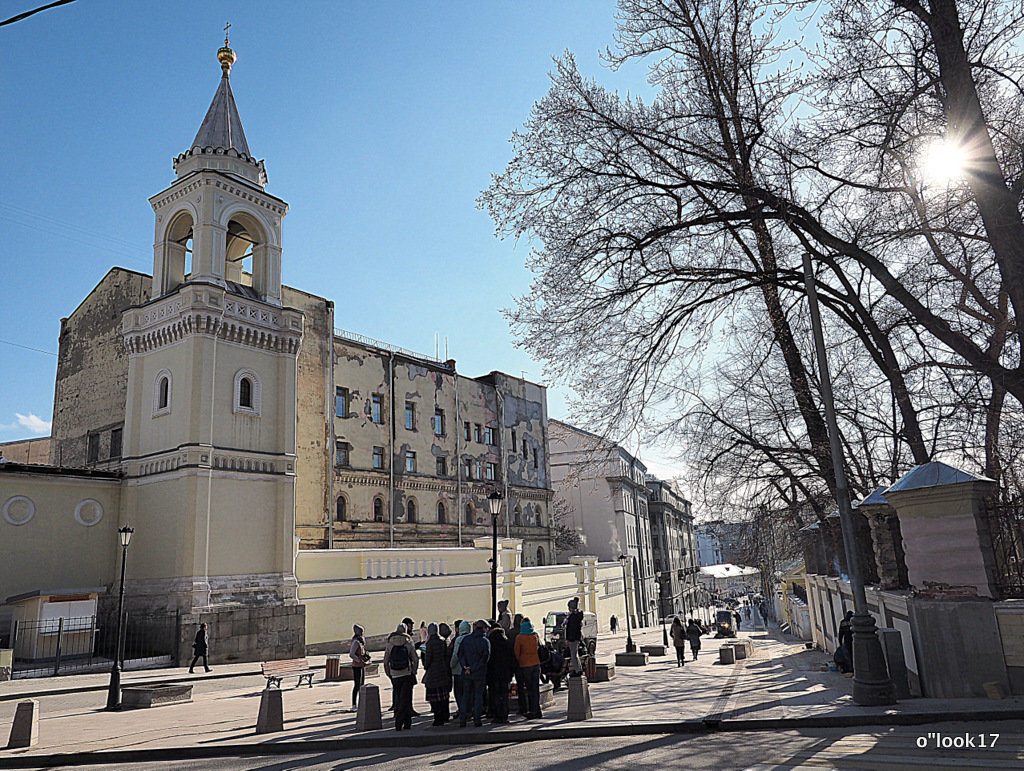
(1004, 514)
(62, 645)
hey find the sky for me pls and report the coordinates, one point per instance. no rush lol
(380, 123)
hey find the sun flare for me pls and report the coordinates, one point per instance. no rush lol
(944, 161)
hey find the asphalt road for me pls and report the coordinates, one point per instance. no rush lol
(884, 748)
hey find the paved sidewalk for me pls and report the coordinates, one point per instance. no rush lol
(781, 685)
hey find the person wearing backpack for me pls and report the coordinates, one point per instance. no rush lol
(400, 663)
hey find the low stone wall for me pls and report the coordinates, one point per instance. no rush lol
(238, 633)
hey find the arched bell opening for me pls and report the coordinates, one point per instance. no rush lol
(174, 263)
(248, 256)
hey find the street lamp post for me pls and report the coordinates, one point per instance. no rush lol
(494, 504)
(630, 647)
(114, 690)
(664, 632)
(871, 682)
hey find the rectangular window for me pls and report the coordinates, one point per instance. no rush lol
(477, 430)
(341, 453)
(535, 457)
(410, 460)
(465, 430)
(469, 468)
(341, 402)
(438, 422)
(442, 467)
(94, 448)
(513, 445)
(525, 455)
(378, 457)
(115, 443)
(477, 469)
(492, 471)
(489, 435)
(377, 408)
(410, 416)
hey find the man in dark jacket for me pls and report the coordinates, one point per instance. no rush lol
(200, 648)
(474, 652)
(500, 668)
(437, 678)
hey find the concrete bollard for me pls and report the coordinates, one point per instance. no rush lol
(739, 650)
(727, 654)
(25, 728)
(271, 717)
(579, 699)
(368, 712)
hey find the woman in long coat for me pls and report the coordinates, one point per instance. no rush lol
(437, 677)
(678, 635)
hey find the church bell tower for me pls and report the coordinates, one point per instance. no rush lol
(211, 404)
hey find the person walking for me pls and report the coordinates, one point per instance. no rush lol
(474, 652)
(456, 668)
(500, 668)
(360, 658)
(437, 673)
(574, 634)
(736, 616)
(400, 663)
(504, 617)
(200, 649)
(845, 638)
(678, 634)
(693, 632)
(526, 652)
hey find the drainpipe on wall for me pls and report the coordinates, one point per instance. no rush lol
(331, 437)
(504, 455)
(458, 457)
(391, 449)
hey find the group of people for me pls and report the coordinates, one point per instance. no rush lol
(475, 660)
(681, 635)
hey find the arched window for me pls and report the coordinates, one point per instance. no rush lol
(378, 510)
(245, 393)
(340, 510)
(470, 520)
(440, 513)
(410, 511)
(540, 555)
(162, 393)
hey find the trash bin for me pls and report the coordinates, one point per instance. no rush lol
(333, 671)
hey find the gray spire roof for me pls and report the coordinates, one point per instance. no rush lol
(222, 128)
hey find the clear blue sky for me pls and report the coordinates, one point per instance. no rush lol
(380, 122)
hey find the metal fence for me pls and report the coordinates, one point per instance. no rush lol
(62, 645)
(1005, 516)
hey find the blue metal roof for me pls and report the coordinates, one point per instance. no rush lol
(934, 474)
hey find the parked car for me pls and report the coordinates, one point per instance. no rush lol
(554, 631)
(724, 624)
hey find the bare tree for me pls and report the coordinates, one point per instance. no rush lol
(664, 230)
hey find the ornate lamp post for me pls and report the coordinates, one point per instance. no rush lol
(871, 682)
(661, 590)
(494, 504)
(630, 647)
(114, 690)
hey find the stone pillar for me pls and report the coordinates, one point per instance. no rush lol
(586, 587)
(886, 539)
(271, 717)
(945, 535)
(368, 717)
(579, 700)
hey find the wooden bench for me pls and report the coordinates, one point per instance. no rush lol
(276, 671)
